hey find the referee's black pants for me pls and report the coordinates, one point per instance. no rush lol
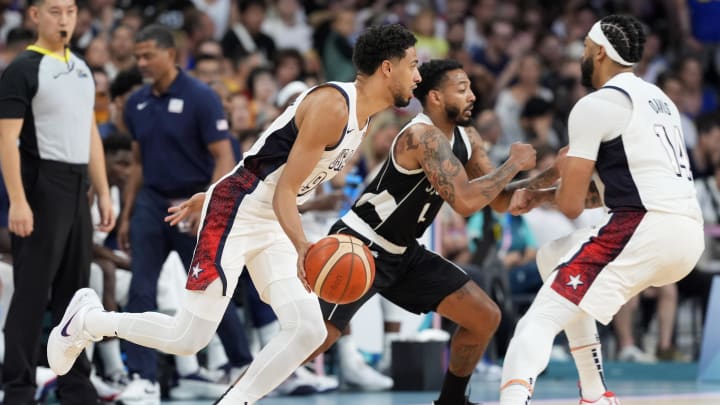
(48, 267)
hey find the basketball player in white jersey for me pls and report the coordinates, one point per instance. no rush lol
(434, 159)
(250, 218)
(627, 153)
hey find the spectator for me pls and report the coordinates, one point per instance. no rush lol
(262, 88)
(699, 97)
(208, 69)
(429, 46)
(59, 153)
(289, 67)
(287, 26)
(102, 95)
(245, 36)
(707, 149)
(337, 49)
(121, 50)
(510, 101)
(219, 12)
(17, 40)
(125, 83)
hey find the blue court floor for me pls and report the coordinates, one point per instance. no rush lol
(663, 384)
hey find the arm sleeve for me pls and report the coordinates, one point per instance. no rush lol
(18, 86)
(596, 118)
(211, 118)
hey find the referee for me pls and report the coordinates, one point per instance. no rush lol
(46, 101)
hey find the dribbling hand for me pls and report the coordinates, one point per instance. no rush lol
(523, 154)
(302, 252)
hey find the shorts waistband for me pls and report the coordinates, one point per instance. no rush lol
(352, 220)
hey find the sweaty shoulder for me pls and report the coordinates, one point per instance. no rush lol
(327, 102)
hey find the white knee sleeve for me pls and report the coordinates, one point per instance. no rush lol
(302, 331)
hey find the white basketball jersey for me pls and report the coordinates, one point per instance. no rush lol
(268, 155)
(646, 166)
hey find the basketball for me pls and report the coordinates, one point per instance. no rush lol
(339, 268)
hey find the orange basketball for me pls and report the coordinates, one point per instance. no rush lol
(339, 268)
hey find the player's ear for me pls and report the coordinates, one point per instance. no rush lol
(386, 67)
(434, 96)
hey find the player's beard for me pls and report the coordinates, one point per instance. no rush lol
(456, 115)
(401, 101)
(587, 68)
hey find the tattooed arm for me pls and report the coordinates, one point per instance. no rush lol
(431, 150)
(480, 165)
(523, 200)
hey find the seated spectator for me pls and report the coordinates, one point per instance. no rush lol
(125, 83)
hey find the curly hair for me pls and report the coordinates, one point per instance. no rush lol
(381, 43)
(433, 74)
(626, 34)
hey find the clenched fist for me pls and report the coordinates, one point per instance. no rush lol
(523, 154)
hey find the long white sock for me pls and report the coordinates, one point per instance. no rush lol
(109, 351)
(585, 347)
(183, 334)
(529, 351)
(347, 350)
(302, 330)
(186, 365)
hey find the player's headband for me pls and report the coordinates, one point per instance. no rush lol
(596, 35)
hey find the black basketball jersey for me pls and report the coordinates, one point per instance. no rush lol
(398, 205)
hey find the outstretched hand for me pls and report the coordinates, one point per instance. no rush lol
(185, 209)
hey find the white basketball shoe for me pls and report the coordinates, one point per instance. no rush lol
(607, 398)
(69, 338)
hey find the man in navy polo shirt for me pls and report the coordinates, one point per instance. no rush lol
(181, 144)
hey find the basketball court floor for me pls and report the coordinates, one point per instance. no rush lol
(548, 391)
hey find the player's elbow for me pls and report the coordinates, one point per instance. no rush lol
(462, 207)
(570, 209)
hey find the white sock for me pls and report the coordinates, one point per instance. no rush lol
(586, 350)
(99, 323)
(348, 351)
(513, 394)
(109, 351)
(186, 365)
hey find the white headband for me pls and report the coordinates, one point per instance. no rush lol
(596, 35)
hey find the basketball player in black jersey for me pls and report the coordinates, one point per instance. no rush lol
(434, 159)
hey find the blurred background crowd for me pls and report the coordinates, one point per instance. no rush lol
(523, 57)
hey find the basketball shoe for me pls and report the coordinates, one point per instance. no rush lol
(68, 339)
(607, 398)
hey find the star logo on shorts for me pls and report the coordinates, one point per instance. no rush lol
(575, 282)
(196, 270)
